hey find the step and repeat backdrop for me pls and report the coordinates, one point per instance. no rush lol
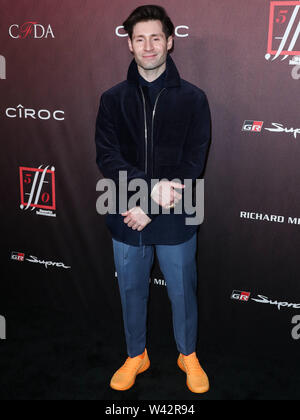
(56, 59)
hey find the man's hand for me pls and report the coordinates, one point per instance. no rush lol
(136, 218)
(164, 194)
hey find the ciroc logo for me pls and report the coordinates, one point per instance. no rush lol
(181, 31)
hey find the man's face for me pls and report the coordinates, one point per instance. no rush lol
(149, 44)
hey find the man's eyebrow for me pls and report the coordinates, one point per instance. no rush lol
(143, 36)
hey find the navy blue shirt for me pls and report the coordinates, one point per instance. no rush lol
(151, 91)
(153, 87)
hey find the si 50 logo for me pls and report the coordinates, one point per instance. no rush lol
(255, 126)
(284, 30)
(37, 188)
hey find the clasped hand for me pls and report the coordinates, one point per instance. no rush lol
(163, 194)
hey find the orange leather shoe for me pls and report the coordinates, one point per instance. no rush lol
(197, 380)
(124, 378)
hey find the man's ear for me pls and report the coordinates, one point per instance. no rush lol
(170, 42)
(130, 44)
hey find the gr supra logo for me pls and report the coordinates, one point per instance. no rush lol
(255, 126)
(20, 257)
(284, 30)
(30, 30)
(37, 188)
(242, 296)
(245, 297)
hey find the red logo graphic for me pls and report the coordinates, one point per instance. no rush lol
(255, 126)
(284, 29)
(37, 187)
(26, 29)
(17, 256)
(242, 296)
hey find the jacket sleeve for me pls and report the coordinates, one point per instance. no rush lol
(109, 157)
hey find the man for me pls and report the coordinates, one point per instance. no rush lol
(154, 126)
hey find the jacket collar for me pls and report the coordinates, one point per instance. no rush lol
(172, 75)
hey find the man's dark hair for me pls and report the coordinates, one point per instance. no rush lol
(149, 12)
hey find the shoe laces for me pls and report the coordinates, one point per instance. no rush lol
(131, 364)
(192, 363)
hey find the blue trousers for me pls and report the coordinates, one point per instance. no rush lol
(178, 265)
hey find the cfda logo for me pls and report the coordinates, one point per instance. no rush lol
(2, 328)
(30, 30)
(2, 68)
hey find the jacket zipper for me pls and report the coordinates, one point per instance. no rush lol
(146, 132)
(146, 138)
(153, 115)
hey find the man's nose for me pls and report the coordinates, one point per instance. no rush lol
(148, 45)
